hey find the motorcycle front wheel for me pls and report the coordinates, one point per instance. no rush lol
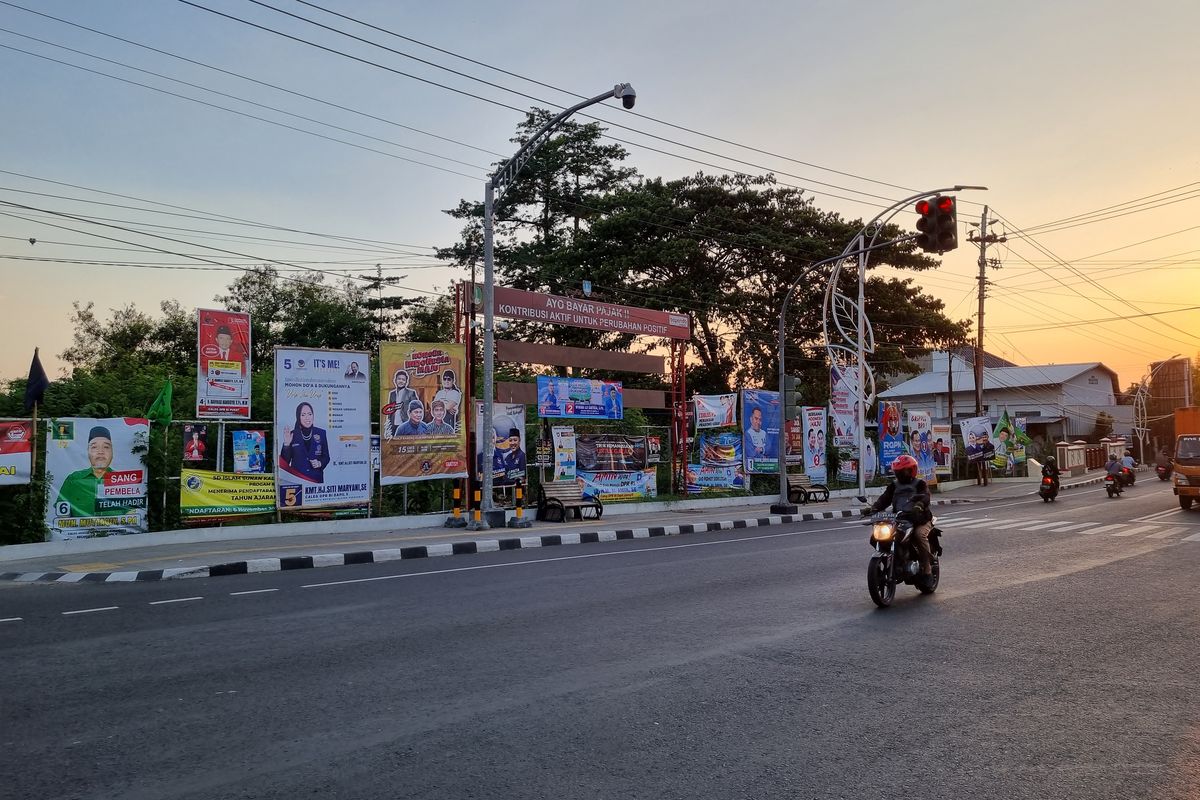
(930, 586)
(882, 590)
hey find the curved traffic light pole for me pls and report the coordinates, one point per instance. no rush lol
(857, 247)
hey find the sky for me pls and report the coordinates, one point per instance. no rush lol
(1060, 109)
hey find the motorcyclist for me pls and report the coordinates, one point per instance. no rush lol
(1116, 469)
(908, 496)
(1050, 470)
(1128, 460)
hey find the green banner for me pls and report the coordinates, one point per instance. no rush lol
(224, 494)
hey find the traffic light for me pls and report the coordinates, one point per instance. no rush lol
(791, 397)
(938, 224)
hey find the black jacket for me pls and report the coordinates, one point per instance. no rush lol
(902, 497)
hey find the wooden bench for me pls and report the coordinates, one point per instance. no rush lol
(802, 490)
(555, 498)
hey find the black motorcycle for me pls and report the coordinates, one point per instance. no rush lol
(1163, 471)
(1049, 488)
(896, 561)
(1112, 485)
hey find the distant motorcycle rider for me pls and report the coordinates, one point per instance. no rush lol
(1128, 461)
(1050, 470)
(908, 496)
(1115, 468)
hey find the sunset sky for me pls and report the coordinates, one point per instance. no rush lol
(1061, 109)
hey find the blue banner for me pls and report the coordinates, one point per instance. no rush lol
(579, 398)
(760, 430)
(703, 478)
(891, 434)
(720, 449)
(619, 485)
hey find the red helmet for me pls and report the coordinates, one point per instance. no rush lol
(904, 467)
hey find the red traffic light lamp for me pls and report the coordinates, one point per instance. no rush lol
(938, 224)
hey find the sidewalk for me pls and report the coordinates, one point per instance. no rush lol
(141, 558)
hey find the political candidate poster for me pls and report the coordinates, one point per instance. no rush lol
(715, 410)
(610, 452)
(814, 444)
(249, 452)
(579, 398)
(977, 439)
(204, 494)
(223, 364)
(843, 405)
(16, 452)
(506, 443)
(565, 461)
(322, 430)
(943, 450)
(195, 446)
(1009, 440)
(97, 476)
(709, 478)
(920, 444)
(891, 434)
(619, 485)
(421, 407)
(760, 430)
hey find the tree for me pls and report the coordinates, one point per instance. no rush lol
(1103, 426)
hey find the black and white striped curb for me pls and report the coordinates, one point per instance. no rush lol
(283, 563)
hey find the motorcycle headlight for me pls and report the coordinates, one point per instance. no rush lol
(883, 531)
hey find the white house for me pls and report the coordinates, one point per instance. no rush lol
(1057, 400)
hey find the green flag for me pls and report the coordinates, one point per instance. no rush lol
(160, 411)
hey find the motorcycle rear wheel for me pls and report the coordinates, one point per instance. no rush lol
(1112, 492)
(930, 586)
(882, 590)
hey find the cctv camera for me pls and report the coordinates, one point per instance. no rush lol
(626, 93)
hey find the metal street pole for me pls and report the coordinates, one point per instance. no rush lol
(499, 180)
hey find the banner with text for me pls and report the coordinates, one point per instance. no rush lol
(565, 453)
(715, 410)
(322, 429)
(977, 439)
(196, 452)
(204, 494)
(16, 452)
(619, 485)
(814, 418)
(249, 452)
(579, 398)
(920, 444)
(843, 406)
(421, 403)
(222, 364)
(761, 414)
(97, 476)
(943, 450)
(707, 478)
(891, 434)
(610, 452)
(720, 449)
(1009, 440)
(507, 443)
(580, 313)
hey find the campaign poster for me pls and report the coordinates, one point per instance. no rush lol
(204, 494)
(794, 438)
(760, 430)
(609, 486)
(977, 439)
(579, 398)
(843, 405)
(1009, 441)
(195, 446)
(814, 444)
(653, 449)
(891, 434)
(720, 449)
(421, 405)
(507, 443)
(97, 477)
(223, 364)
(715, 410)
(708, 478)
(322, 430)
(610, 452)
(250, 452)
(16, 452)
(943, 450)
(920, 444)
(565, 462)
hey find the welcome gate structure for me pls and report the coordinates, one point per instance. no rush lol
(584, 312)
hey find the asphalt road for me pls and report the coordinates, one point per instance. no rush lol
(1055, 661)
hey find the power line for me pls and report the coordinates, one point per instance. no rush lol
(1108, 208)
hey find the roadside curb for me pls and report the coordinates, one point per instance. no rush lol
(285, 563)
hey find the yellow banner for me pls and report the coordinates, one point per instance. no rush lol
(422, 411)
(224, 494)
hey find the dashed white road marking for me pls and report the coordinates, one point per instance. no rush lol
(11, 619)
(1136, 530)
(1166, 533)
(252, 591)
(174, 600)
(90, 610)
(1195, 537)
(1103, 529)
(1073, 526)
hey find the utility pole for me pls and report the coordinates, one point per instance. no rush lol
(983, 239)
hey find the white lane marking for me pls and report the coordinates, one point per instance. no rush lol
(1135, 531)
(90, 610)
(1029, 524)
(1104, 529)
(1195, 537)
(174, 600)
(1170, 512)
(252, 591)
(11, 619)
(1069, 527)
(1167, 533)
(573, 558)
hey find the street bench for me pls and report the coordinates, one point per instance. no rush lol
(802, 490)
(556, 498)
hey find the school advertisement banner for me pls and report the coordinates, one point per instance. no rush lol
(424, 435)
(920, 444)
(611, 452)
(977, 438)
(943, 450)
(565, 460)
(891, 434)
(507, 443)
(579, 398)
(814, 444)
(715, 410)
(249, 452)
(1009, 440)
(206, 494)
(16, 452)
(322, 429)
(619, 485)
(222, 364)
(760, 430)
(97, 476)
